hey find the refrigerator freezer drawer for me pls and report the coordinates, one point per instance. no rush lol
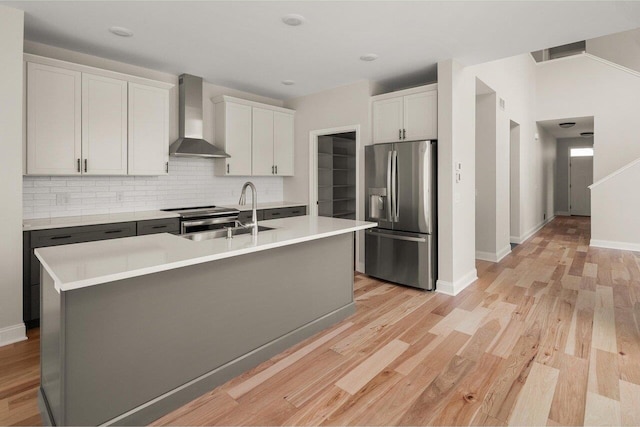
(404, 258)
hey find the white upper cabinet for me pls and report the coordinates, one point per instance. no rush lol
(407, 115)
(258, 137)
(104, 125)
(148, 130)
(387, 120)
(421, 116)
(262, 135)
(53, 120)
(233, 135)
(283, 142)
(86, 121)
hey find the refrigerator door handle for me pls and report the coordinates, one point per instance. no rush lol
(396, 201)
(397, 237)
(389, 187)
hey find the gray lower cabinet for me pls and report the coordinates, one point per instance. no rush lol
(69, 235)
(265, 214)
(153, 226)
(284, 212)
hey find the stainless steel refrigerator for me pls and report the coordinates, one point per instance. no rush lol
(400, 181)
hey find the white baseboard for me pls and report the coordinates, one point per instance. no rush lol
(12, 334)
(531, 232)
(494, 257)
(458, 286)
(563, 213)
(609, 244)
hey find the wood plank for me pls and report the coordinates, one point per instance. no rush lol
(569, 399)
(629, 404)
(363, 373)
(534, 403)
(604, 327)
(601, 411)
(244, 387)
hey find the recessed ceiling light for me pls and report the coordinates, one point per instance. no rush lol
(293, 19)
(566, 125)
(369, 57)
(288, 82)
(586, 134)
(121, 31)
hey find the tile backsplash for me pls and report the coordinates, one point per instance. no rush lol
(191, 182)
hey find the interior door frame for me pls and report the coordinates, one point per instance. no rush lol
(313, 177)
(569, 173)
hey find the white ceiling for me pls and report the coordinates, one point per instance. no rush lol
(583, 124)
(244, 44)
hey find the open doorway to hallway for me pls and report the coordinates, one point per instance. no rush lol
(574, 164)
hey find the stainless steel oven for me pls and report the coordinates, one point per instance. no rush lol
(205, 218)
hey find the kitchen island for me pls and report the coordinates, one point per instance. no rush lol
(132, 328)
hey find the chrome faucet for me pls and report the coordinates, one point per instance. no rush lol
(254, 203)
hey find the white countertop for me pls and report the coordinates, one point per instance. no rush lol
(87, 264)
(78, 221)
(266, 205)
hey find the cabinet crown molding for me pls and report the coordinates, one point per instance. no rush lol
(227, 98)
(28, 57)
(404, 92)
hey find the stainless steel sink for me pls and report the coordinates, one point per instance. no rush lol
(216, 234)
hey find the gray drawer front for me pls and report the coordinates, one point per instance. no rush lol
(65, 236)
(245, 216)
(285, 212)
(171, 225)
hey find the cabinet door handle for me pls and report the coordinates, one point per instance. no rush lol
(276, 213)
(399, 133)
(167, 167)
(60, 237)
(404, 134)
(227, 167)
(159, 226)
(78, 165)
(276, 169)
(85, 165)
(272, 170)
(113, 231)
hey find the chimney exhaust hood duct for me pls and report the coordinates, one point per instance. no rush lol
(191, 142)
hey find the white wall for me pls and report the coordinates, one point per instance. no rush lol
(190, 181)
(580, 86)
(614, 218)
(622, 48)
(562, 171)
(456, 200)
(584, 85)
(514, 79)
(11, 39)
(341, 106)
(486, 106)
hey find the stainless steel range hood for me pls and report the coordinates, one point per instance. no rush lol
(191, 142)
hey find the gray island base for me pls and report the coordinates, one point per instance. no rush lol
(129, 351)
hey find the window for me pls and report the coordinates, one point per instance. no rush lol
(582, 152)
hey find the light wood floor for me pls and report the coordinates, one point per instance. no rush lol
(548, 336)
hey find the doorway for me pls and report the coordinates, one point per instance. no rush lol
(514, 182)
(580, 178)
(336, 177)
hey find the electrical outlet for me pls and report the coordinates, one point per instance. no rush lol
(62, 199)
